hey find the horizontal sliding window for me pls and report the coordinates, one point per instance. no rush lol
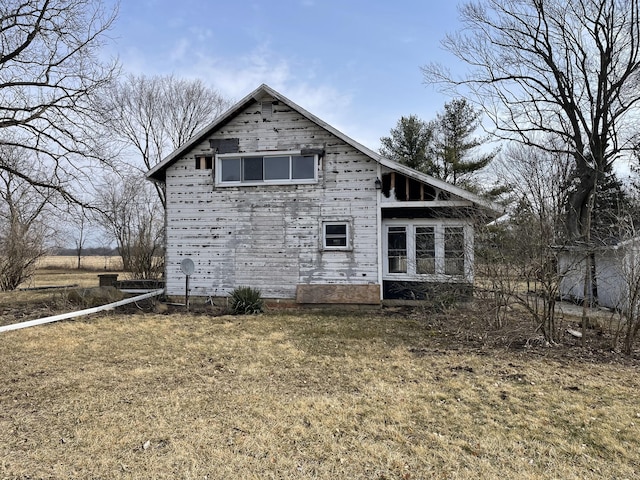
(256, 169)
(303, 166)
(230, 170)
(276, 168)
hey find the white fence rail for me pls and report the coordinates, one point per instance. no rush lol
(79, 313)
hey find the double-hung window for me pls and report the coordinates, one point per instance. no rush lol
(425, 250)
(417, 250)
(256, 169)
(454, 250)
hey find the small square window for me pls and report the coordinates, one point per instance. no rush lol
(336, 236)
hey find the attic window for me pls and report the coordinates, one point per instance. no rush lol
(276, 168)
(204, 163)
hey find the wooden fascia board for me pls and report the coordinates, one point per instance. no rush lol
(427, 204)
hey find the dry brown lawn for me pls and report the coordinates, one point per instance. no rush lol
(305, 395)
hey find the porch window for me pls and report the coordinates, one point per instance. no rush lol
(277, 168)
(453, 251)
(425, 250)
(417, 250)
(397, 251)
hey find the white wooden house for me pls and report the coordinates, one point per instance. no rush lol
(272, 197)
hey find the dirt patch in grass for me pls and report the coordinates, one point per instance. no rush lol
(377, 395)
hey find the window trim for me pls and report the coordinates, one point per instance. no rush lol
(266, 154)
(411, 257)
(348, 235)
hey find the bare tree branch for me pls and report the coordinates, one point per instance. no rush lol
(154, 115)
(569, 68)
(49, 71)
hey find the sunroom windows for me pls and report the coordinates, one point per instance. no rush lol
(429, 248)
(257, 169)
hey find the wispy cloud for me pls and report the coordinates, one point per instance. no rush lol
(236, 76)
(179, 50)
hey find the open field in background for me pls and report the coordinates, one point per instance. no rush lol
(61, 270)
(371, 395)
(21, 305)
(93, 262)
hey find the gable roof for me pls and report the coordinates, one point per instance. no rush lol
(157, 173)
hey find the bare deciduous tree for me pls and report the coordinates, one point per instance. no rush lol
(570, 68)
(49, 69)
(23, 229)
(128, 210)
(78, 219)
(517, 258)
(153, 115)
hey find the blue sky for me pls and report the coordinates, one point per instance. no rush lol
(355, 64)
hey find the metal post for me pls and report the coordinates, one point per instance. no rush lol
(186, 293)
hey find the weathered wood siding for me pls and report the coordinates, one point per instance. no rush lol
(270, 236)
(613, 266)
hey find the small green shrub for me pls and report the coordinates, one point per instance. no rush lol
(246, 301)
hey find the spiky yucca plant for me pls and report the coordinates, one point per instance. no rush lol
(246, 301)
